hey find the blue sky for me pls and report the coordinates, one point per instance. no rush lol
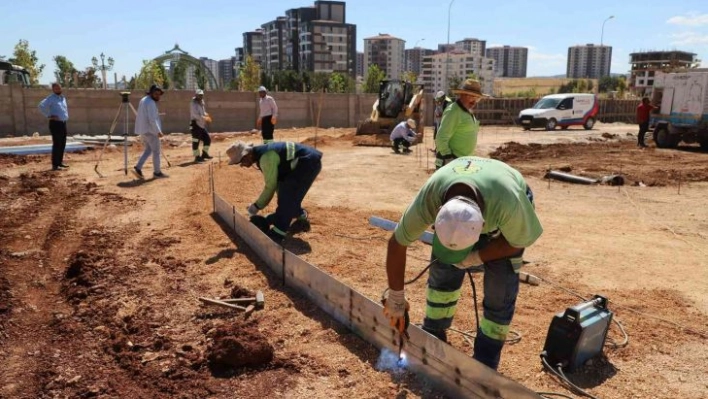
(130, 31)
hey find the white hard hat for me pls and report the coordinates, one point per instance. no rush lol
(199, 92)
(262, 88)
(440, 95)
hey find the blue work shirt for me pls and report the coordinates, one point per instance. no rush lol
(54, 105)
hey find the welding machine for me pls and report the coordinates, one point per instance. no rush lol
(578, 334)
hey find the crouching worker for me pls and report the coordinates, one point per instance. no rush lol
(288, 168)
(484, 217)
(403, 135)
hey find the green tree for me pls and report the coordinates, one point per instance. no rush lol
(88, 78)
(267, 81)
(250, 75)
(374, 76)
(337, 83)
(65, 71)
(24, 57)
(409, 76)
(288, 80)
(319, 81)
(151, 73)
(200, 74)
(581, 86)
(179, 74)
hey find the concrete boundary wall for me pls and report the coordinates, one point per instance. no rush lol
(91, 112)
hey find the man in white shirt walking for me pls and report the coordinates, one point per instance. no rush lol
(149, 127)
(268, 115)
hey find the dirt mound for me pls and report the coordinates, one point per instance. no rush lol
(240, 292)
(597, 159)
(328, 140)
(238, 345)
(373, 140)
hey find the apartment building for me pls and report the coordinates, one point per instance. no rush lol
(441, 68)
(589, 61)
(386, 51)
(511, 62)
(414, 59)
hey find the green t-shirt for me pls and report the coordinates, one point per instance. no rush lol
(505, 204)
(457, 134)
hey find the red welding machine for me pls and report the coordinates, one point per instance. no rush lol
(578, 334)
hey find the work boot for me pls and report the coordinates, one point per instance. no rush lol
(275, 236)
(205, 155)
(158, 175)
(439, 334)
(301, 224)
(198, 159)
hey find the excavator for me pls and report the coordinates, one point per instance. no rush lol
(397, 101)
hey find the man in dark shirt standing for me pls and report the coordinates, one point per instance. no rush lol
(643, 114)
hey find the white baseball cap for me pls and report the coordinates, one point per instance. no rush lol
(458, 226)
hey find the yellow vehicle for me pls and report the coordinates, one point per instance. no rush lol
(397, 101)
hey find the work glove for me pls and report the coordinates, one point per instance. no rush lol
(252, 210)
(471, 260)
(396, 309)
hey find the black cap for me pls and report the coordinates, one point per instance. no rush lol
(155, 88)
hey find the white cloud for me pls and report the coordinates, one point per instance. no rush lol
(689, 38)
(693, 19)
(542, 64)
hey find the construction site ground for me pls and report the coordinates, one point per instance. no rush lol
(100, 276)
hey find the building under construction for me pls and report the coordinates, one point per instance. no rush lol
(645, 65)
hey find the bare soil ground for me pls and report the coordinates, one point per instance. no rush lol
(100, 277)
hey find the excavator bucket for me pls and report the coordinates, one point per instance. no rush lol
(368, 127)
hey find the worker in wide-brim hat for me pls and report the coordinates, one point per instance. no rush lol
(457, 133)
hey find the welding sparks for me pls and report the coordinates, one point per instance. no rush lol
(389, 361)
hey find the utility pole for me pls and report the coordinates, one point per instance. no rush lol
(447, 49)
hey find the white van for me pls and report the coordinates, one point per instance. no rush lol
(561, 110)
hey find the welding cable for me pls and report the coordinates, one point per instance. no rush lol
(468, 335)
(559, 373)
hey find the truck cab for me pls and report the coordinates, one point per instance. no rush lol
(13, 74)
(682, 114)
(562, 110)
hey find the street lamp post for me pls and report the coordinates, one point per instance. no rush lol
(103, 68)
(447, 48)
(602, 34)
(416, 43)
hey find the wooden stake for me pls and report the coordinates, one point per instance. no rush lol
(319, 113)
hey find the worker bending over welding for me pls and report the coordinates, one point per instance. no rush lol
(199, 119)
(457, 134)
(290, 168)
(484, 215)
(403, 135)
